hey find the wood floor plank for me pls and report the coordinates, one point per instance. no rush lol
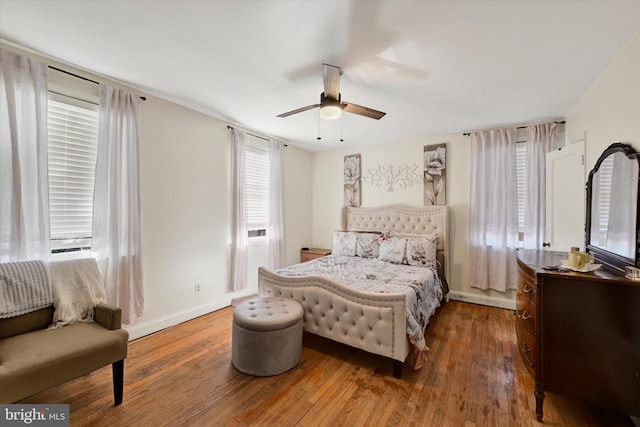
(473, 376)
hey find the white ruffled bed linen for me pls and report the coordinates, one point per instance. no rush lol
(421, 285)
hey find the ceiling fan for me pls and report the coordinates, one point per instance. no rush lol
(331, 105)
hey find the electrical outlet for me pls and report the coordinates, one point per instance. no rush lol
(197, 288)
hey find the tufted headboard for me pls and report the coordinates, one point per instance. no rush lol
(403, 219)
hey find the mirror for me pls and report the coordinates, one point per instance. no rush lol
(613, 236)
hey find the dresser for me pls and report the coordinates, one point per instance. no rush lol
(579, 333)
(313, 253)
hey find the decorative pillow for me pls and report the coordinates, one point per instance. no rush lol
(392, 249)
(344, 243)
(398, 234)
(368, 244)
(422, 250)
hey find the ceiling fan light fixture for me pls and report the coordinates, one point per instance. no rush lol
(331, 104)
(330, 112)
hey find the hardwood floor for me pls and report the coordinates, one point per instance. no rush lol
(184, 376)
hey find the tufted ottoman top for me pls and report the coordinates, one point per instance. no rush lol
(267, 314)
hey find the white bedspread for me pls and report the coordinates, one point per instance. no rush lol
(421, 285)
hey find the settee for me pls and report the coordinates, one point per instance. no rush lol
(34, 356)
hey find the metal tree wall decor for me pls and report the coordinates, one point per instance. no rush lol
(352, 180)
(435, 190)
(403, 175)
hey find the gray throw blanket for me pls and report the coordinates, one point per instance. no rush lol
(24, 287)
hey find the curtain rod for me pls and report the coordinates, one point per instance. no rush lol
(144, 98)
(519, 127)
(256, 136)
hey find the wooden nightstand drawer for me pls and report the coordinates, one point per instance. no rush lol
(313, 253)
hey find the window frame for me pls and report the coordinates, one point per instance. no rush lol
(71, 246)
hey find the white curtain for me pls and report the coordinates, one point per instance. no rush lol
(493, 210)
(239, 236)
(116, 239)
(541, 139)
(24, 180)
(276, 226)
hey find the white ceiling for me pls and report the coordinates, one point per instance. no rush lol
(435, 67)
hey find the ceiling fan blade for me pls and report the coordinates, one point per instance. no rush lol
(299, 110)
(363, 111)
(331, 79)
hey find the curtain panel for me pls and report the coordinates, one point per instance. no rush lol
(493, 210)
(541, 139)
(276, 223)
(24, 171)
(116, 241)
(239, 238)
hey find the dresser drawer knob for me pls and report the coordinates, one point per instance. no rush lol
(527, 288)
(525, 315)
(525, 348)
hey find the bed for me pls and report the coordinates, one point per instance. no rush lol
(367, 317)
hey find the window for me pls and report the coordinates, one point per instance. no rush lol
(604, 186)
(256, 186)
(73, 142)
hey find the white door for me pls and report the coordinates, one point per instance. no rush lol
(565, 198)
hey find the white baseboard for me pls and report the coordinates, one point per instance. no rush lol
(509, 304)
(156, 325)
(244, 293)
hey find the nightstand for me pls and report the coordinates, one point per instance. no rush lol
(313, 253)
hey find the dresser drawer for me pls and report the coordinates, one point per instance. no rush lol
(527, 286)
(526, 313)
(526, 346)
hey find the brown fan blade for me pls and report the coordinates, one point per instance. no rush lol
(362, 111)
(299, 110)
(331, 79)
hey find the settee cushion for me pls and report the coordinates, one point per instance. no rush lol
(33, 321)
(30, 363)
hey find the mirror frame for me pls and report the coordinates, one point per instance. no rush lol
(611, 260)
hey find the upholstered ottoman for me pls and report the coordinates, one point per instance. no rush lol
(266, 336)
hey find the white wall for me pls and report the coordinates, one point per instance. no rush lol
(185, 192)
(298, 201)
(609, 111)
(185, 174)
(328, 201)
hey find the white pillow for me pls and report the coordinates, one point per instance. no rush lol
(392, 249)
(367, 244)
(344, 243)
(422, 250)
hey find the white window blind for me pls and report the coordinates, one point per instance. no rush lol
(257, 187)
(605, 174)
(73, 141)
(521, 177)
